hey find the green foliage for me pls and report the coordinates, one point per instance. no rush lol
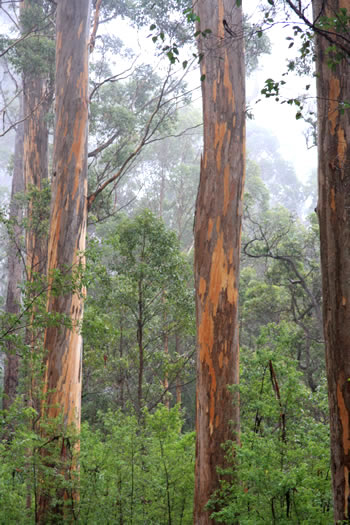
(140, 474)
(140, 290)
(34, 54)
(282, 464)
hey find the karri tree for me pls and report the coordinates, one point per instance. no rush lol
(330, 25)
(217, 241)
(333, 96)
(62, 383)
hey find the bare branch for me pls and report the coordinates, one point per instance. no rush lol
(113, 78)
(24, 37)
(142, 142)
(95, 26)
(14, 124)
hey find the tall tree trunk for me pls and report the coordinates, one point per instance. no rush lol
(62, 389)
(37, 101)
(217, 242)
(333, 88)
(36, 105)
(15, 268)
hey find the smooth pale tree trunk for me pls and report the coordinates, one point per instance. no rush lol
(333, 88)
(217, 242)
(62, 388)
(15, 267)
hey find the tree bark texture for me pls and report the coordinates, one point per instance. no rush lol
(37, 101)
(15, 267)
(333, 88)
(217, 242)
(36, 105)
(62, 388)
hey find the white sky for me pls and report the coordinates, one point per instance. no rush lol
(279, 119)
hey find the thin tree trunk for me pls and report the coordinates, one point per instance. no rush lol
(166, 375)
(333, 88)
(62, 388)
(178, 378)
(141, 349)
(121, 380)
(15, 267)
(217, 242)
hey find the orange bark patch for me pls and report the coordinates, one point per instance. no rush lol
(226, 188)
(69, 66)
(218, 274)
(344, 418)
(228, 83)
(206, 337)
(202, 288)
(206, 341)
(232, 291)
(58, 41)
(342, 147)
(205, 159)
(77, 148)
(221, 278)
(230, 256)
(56, 227)
(214, 90)
(333, 206)
(80, 29)
(219, 138)
(210, 228)
(343, 301)
(333, 113)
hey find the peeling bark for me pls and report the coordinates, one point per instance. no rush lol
(333, 88)
(217, 243)
(62, 388)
